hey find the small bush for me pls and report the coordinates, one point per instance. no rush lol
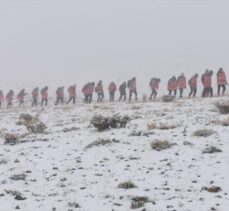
(127, 185)
(104, 123)
(151, 126)
(211, 149)
(167, 98)
(18, 177)
(224, 122)
(223, 107)
(101, 142)
(203, 133)
(161, 145)
(163, 126)
(33, 124)
(138, 202)
(73, 205)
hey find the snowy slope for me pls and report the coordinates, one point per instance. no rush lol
(59, 171)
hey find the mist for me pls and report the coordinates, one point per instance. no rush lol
(58, 43)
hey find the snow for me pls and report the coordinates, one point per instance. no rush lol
(59, 170)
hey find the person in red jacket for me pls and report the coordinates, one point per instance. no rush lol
(112, 89)
(99, 90)
(1, 98)
(181, 83)
(207, 82)
(132, 85)
(193, 85)
(154, 85)
(172, 86)
(59, 95)
(72, 94)
(35, 94)
(9, 98)
(21, 97)
(221, 81)
(90, 92)
(44, 96)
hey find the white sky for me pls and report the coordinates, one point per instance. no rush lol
(63, 42)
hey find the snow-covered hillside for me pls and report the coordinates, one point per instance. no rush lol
(63, 170)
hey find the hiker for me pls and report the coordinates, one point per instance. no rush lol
(59, 95)
(99, 90)
(9, 98)
(207, 82)
(181, 83)
(72, 94)
(35, 94)
(172, 86)
(112, 89)
(90, 92)
(154, 85)
(85, 90)
(21, 96)
(44, 96)
(132, 88)
(221, 81)
(1, 98)
(122, 90)
(193, 85)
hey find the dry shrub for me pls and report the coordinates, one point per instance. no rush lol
(127, 185)
(18, 177)
(104, 123)
(167, 98)
(138, 202)
(164, 126)
(73, 205)
(135, 107)
(101, 142)
(223, 107)
(224, 122)
(211, 150)
(12, 139)
(33, 124)
(203, 133)
(151, 126)
(102, 107)
(161, 145)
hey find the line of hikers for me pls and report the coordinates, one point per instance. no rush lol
(89, 88)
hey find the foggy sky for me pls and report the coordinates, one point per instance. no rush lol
(65, 42)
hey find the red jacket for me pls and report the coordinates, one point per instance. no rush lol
(172, 84)
(193, 82)
(112, 87)
(154, 84)
(181, 83)
(85, 89)
(60, 92)
(207, 81)
(133, 86)
(99, 89)
(44, 93)
(221, 78)
(72, 91)
(35, 93)
(90, 89)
